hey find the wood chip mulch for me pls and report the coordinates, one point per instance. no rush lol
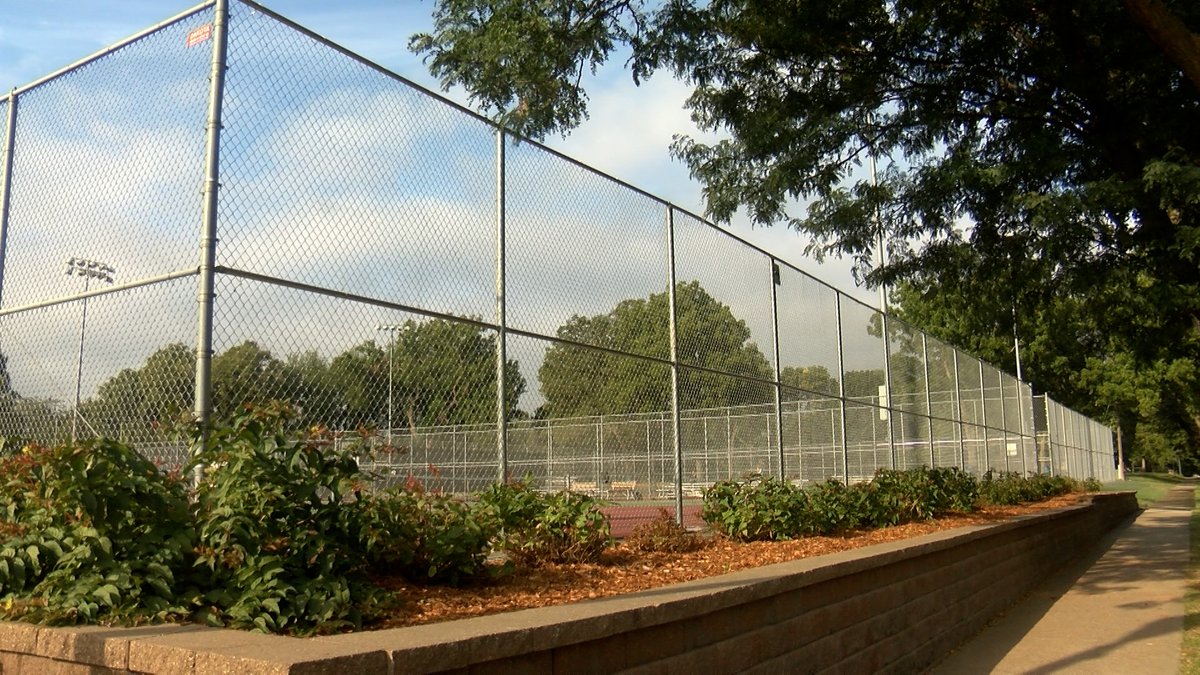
(622, 570)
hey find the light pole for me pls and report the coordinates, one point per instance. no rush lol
(88, 269)
(391, 328)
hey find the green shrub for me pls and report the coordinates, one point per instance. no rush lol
(836, 507)
(767, 508)
(919, 494)
(91, 532)
(514, 503)
(662, 535)
(956, 490)
(427, 537)
(565, 527)
(1008, 489)
(279, 526)
(756, 508)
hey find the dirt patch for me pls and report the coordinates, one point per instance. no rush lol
(625, 571)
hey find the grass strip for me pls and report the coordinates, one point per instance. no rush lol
(1189, 655)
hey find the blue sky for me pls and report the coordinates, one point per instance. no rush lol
(627, 134)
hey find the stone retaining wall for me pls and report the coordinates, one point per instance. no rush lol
(894, 607)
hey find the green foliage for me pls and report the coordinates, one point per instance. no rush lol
(514, 503)
(562, 527)
(91, 532)
(662, 535)
(1010, 488)
(713, 337)
(755, 509)
(922, 494)
(427, 537)
(278, 524)
(443, 372)
(758, 508)
(1062, 134)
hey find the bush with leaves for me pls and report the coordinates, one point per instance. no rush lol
(92, 532)
(767, 508)
(1005, 488)
(563, 527)
(756, 508)
(835, 507)
(426, 536)
(279, 520)
(662, 535)
(919, 494)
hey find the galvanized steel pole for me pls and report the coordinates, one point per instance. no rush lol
(673, 338)
(1004, 424)
(776, 279)
(501, 316)
(987, 456)
(841, 359)
(928, 401)
(1024, 430)
(6, 181)
(208, 238)
(962, 444)
(887, 386)
(10, 130)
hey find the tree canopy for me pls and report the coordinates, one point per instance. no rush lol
(578, 380)
(443, 372)
(1054, 143)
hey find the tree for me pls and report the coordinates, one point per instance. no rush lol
(804, 382)
(249, 373)
(134, 403)
(445, 373)
(1057, 133)
(1150, 393)
(578, 380)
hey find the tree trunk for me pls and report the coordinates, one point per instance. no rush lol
(1179, 44)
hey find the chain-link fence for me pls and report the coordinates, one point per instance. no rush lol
(389, 261)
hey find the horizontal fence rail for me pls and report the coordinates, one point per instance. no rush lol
(482, 305)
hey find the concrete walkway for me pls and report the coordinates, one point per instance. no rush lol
(1117, 610)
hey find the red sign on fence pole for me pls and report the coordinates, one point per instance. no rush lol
(199, 35)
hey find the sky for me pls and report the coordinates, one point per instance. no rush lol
(627, 134)
(313, 149)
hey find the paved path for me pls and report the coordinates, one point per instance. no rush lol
(1116, 610)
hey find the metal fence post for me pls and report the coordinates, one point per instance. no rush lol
(928, 399)
(501, 316)
(673, 337)
(887, 386)
(841, 358)
(962, 429)
(987, 455)
(1024, 431)
(10, 130)
(776, 279)
(208, 238)
(1004, 424)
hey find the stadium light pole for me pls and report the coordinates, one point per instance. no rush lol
(88, 269)
(391, 329)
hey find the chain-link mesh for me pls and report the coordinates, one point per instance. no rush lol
(1073, 444)
(723, 308)
(107, 167)
(579, 245)
(339, 176)
(943, 403)
(363, 275)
